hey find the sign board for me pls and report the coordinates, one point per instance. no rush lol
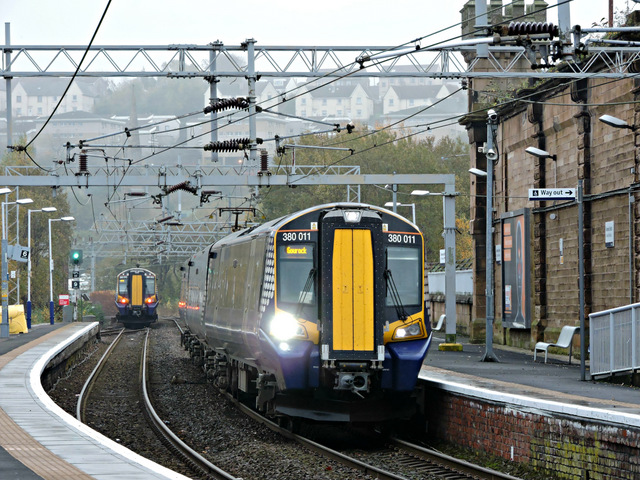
(75, 274)
(18, 253)
(609, 231)
(549, 194)
(75, 284)
(443, 257)
(63, 299)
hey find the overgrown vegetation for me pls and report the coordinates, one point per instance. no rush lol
(391, 155)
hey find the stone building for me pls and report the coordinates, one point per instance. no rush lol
(537, 242)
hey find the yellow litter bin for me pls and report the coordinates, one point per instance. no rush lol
(17, 320)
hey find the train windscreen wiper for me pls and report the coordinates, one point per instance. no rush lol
(395, 296)
(306, 290)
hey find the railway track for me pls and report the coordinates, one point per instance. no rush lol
(388, 459)
(189, 457)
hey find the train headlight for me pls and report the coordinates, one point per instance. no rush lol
(123, 300)
(284, 327)
(150, 299)
(352, 216)
(407, 331)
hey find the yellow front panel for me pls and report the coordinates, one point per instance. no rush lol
(136, 290)
(362, 290)
(352, 290)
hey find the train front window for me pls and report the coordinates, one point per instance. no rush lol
(122, 286)
(296, 279)
(404, 265)
(150, 285)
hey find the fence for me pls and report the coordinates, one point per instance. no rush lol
(614, 340)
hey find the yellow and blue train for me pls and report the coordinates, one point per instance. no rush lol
(136, 297)
(319, 314)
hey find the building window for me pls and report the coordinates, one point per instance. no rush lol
(74, 98)
(303, 101)
(18, 111)
(391, 102)
(39, 110)
(359, 101)
(411, 102)
(339, 101)
(324, 113)
(303, 112)
(39, 98)
(324, 102)
(19, 99)
(359, 113)
(339, 112)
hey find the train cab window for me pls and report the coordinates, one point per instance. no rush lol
(296, 279)
(122, 286)
(404, 264)
(150, 284)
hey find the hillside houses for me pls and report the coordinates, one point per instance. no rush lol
(363, 101)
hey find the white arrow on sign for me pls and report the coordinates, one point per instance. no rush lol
(544, 194)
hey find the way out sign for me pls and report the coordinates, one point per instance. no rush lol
(63, 299)
(544, 194)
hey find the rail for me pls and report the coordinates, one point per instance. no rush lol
(614, 340)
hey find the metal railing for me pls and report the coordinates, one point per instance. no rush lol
(614, 340)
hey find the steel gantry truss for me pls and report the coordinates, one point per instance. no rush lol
(200, 61)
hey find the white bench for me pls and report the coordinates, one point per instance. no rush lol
(440, 322)
(565, 340)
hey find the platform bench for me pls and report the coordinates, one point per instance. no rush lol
(565, 340)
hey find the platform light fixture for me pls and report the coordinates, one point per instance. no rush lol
(47, 210)
(616, 122)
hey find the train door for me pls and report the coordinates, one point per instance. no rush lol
(352, 273)
(137, 290)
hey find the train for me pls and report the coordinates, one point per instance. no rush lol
(318, 315)
(137, 298)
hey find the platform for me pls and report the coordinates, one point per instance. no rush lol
(516, 379)
(38, 439)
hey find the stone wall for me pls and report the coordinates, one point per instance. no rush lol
(569, 448)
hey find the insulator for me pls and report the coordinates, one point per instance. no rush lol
(264, 160)
(226, 103)
(186, 185)
(82, 164)
(532, 28)
(227, 145)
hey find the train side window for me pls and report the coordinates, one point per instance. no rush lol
(296, 280)
(404, 264)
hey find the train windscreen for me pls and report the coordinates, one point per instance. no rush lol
(404, 264)
(150, 285)
(296, 282)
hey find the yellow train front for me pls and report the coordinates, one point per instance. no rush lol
(136, 298)
(319, 314)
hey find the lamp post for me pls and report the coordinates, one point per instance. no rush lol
(412, 205)
(4, 323)
(4, 328)
(492, 156)
(45, 209)
(63, 219)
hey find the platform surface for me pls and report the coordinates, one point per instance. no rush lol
(38, 440)
(555, 386)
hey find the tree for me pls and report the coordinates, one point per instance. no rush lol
(384, 153)
(62, 235)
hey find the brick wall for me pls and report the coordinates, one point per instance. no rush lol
(569, 448)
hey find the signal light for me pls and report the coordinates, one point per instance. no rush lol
(76, 257)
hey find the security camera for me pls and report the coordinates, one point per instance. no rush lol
(493, 116)
(491, 154)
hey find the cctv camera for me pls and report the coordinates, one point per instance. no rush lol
(493, 116)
